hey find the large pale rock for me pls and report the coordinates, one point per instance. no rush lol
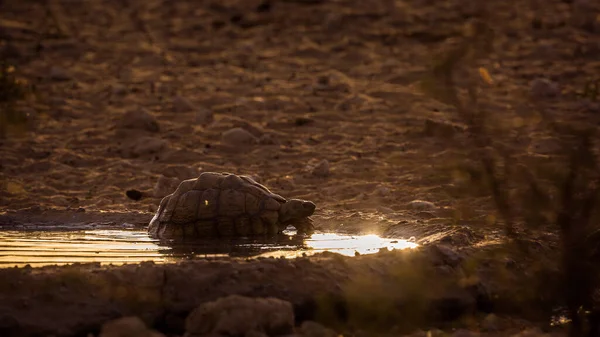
(238, 315)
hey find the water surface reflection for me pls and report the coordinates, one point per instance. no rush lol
(118, 246)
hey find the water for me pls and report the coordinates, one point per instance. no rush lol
(119, 246)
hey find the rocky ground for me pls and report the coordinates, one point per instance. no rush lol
(315, 99)
(392, 293)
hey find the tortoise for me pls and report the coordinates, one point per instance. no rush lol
(225, 204)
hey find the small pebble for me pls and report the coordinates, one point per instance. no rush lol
(143, 146)
(544, 88)
(464, 333)
(323, 81)
(134, 194)
(59, 74)
(321, 169)
(127, 327)
(300, 121)
(382, 191)
(314, 329)
(491, 322)
(268, 139)
(139, 119)
(422, 205)
(204, 116)
(118, 89)
(238, 136)
(441, 129)
(182, 104)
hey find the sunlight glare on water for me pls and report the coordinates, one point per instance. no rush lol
(119, 246)
(347, 245)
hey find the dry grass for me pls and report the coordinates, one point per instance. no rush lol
(557, 195)
(12, 90)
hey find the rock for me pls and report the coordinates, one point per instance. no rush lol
(314, 329)
(127, 327)
(382, 191)
(204, 116)
(532, 332)
(254, 333)
(490, 322)
(59, 74)
(135, 194)
(441, 129)
(139, 119)
(444, 255)
(422, 205)
(321, 169)
(118, 89)
(165, 186)
(323, 80)
(238, 136)
(300, 121)
(237, 315)
(182, 104)
(287, 183)
(464, 333)
(460, 236)
(143, 146)
(268, 139)
(544, 88)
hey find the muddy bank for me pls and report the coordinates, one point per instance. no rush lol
(407, 290)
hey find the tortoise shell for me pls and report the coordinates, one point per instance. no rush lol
(218, 204)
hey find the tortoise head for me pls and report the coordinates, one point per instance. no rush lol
(295, 210)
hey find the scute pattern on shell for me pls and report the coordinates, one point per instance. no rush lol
(220, 204)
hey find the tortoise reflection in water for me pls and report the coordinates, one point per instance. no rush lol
(225, 204)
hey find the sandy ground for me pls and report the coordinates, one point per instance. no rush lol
(326, 91)
(311, 81)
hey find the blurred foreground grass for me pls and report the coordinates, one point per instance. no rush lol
(12, 90)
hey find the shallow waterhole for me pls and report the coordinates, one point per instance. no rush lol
(119, 246)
